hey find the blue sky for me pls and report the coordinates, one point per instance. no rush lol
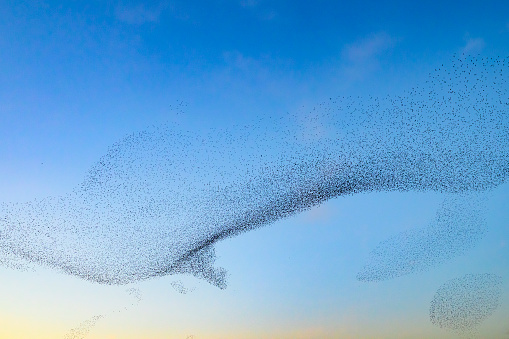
(90, 72)
(77, 76)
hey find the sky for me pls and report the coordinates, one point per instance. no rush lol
(77, 76)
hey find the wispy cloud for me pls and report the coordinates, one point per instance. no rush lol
(361, 57)
(473, 45)
(139, 14)
(261, 76)
(241, 62)
(369, 47)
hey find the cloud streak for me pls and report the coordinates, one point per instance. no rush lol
(473, 46)
(361, 57)
(369, 47)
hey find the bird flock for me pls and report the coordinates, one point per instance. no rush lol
(157, 202)
(463, 303)
(458, 226)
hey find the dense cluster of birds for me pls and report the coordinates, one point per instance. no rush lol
(159, 199)
(463, 303)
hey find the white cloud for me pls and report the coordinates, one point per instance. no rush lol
(473, 46)
(361, 57)
(241, 62)
(369, 47)
(138, 15)
(262, 76)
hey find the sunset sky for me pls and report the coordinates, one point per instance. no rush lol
(77, 76)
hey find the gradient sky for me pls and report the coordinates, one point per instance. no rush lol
(76, 76)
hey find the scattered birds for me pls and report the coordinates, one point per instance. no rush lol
(180, 288)
(459, 224)
(82, 330)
